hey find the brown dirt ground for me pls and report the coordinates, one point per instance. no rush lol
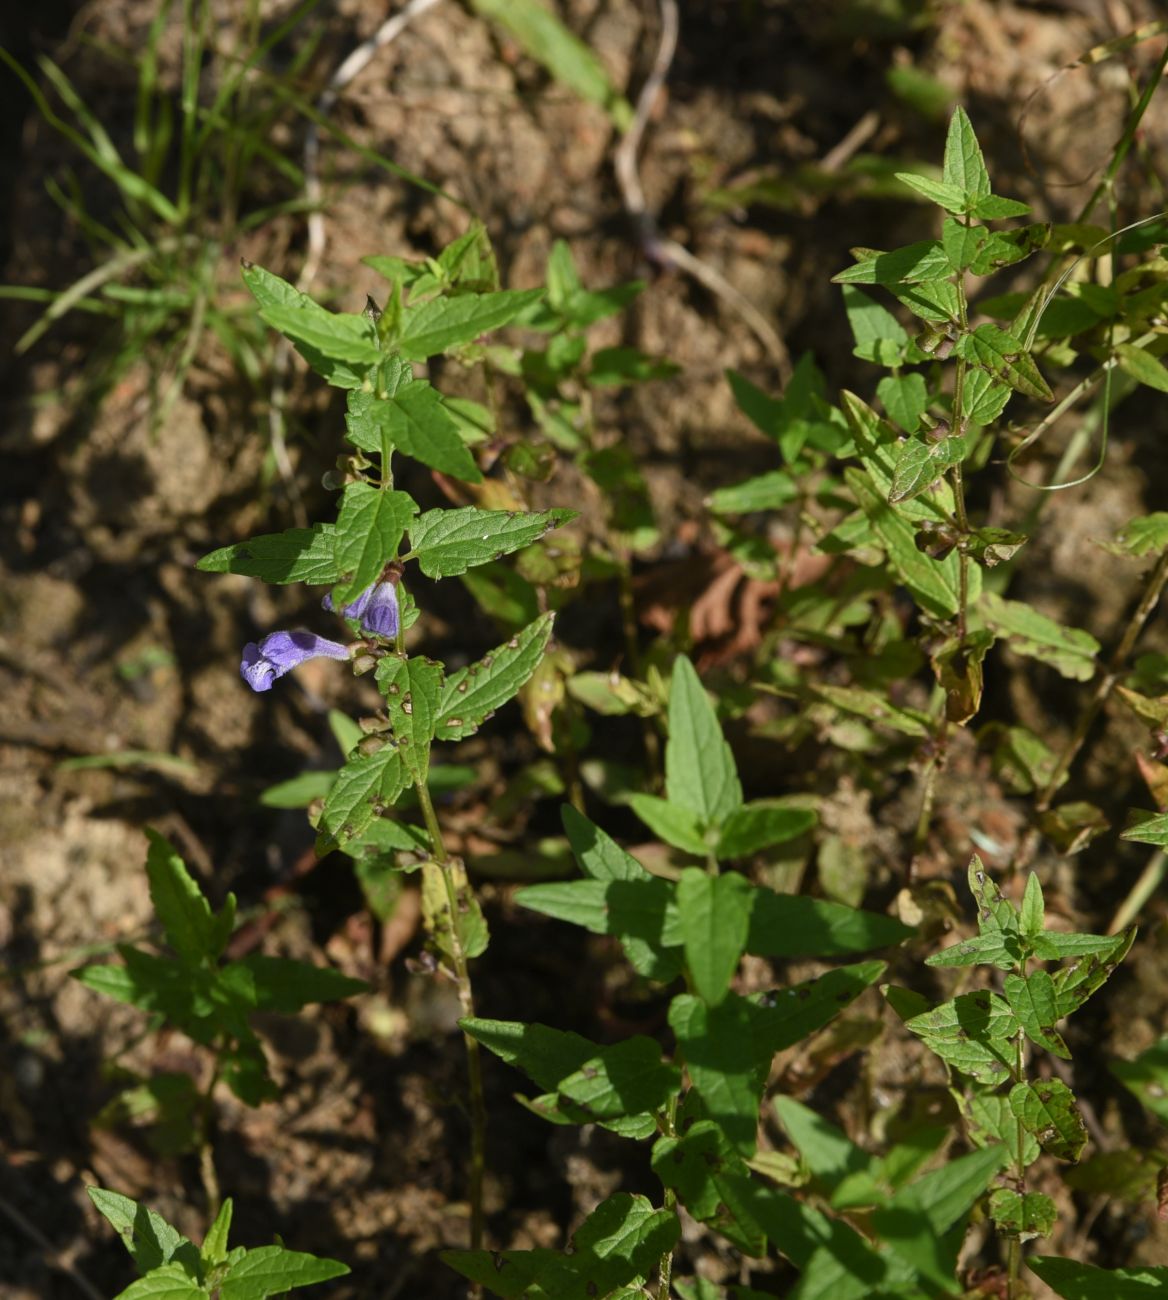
(109, 640)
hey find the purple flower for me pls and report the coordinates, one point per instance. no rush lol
(280, 652)
(376, 607)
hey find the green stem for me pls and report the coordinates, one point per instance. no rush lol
(628, 609)
(665, 1264)
(1014, 1256)
(474, 1068)
(207, 1170)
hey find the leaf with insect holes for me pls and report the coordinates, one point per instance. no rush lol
(297, 555)
(715, 918)
(442, 323)
(416, 422)
(448, 542)
(1075, 984)
(412, 688)
(1006, 358)
(472, 694)
(1032, 999)
(921, 462)
(363, 785)
(370, 526)
(972, 1033)
(700, 774)
(1022, 1214)
(1047, 1109)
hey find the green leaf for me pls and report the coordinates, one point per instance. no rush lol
(1047, 1109)
(1006, 358)
(715, 917)
(996, 208)
(1069, 651)
(369, 529)
(472, 694)
(933, 583)
(964, 168)
(298, 555)
(694, 1165)
(170, 1282)
(791, 925)
(1032, 999)
(971, 1033)
(151, 1241)
(950, 197)
(921, 462)
(613, 367)
(1075, 984)
(905, 398)
(629, 1078)
(1032, 913)
(879, 336)
(272, 1270)
(962, 243)
(677, 826)
(545, 38)
(1022, 1214)
(908, 265)
(364, 786)
(983, 398)
(826, 1151)
(1142, 366)
(412, 689)
(284, 985)
(444, 323)
(1144, 535)
(1074, 1281)
(448, 542)
(769, 491)
(214, 1248)
(699, 768)
(416, 422)
(298, 791)
(761, 824)
(990, 547)
(178, 902)
(1146, 828)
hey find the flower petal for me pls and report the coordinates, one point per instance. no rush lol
(280, 652)
(376, 607)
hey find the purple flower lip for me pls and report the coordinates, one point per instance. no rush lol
(279, 652)
(376, 607)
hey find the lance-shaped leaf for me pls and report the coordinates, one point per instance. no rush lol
(695, 1166)
(369, 529)
(414, 420)
(699, 768)
(273, 1270)
(964, 167)
(920, 463)
(1146, 828)
(1075, 1281)
(1074, 984)
(286, 986)
(926, 260)
(444, 323)
(298, 555)
(971, 1033)
(1033, 1000)
(1047, 1109)
(1006, 358)
(1068, 650)
(179, 902)
(472, 694)
(680, 827)
(995, 913)
(340, 347)
(363, 787)
(715, 916)
(412, 688)
(791, 925)
(761, 824)
(148, 1237)
(448, 542)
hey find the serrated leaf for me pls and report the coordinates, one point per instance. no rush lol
(1144, 535)
(1022, 1214)
(444, 323)
(964, 167)
(949, 197)
(170, 1282)
(1006, 358)
(298, 555)
(472, 694)
(983, 398)
(715, 917)
(971, 1033)
(151, 1241)
(1032, 999)
(995, 949)
(699, 767)
(1047, 1109)
(412, 689)
(921, 462)
(363, 786)
(284, 985)
(911, 264)
(680, 827)
(1146, 828)
(1075, 1281)
(962, 243)
(369, 529)
(761, 824)
(905, 398)
(273, 1270)
(448, 542)
(995, 913)
(1075, 984)
(415, 420)
(178, 902)
(1070, 651)
(995, 208)
(694, 1165)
